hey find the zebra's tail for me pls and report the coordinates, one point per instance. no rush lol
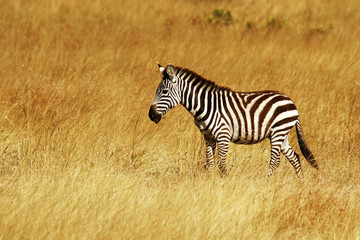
(304, 148)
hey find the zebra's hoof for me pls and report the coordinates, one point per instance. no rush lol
(208, 167)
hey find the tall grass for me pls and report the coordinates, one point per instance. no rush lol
(79, 157)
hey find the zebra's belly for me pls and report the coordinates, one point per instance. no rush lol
(202, 127)
(246, 140)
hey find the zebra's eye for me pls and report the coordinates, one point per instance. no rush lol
(165, 91)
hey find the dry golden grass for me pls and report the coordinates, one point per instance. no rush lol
(79, 158)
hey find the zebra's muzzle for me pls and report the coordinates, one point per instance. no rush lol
(153, 115)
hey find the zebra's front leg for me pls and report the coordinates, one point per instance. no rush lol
(223, 147)
(210, 150)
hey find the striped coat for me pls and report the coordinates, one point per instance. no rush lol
(224, 116)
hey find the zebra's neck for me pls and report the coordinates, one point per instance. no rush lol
(196, 92)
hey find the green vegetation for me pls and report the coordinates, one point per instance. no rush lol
(275, 22)
(219, 16)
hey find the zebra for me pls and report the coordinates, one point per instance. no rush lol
(225, 116)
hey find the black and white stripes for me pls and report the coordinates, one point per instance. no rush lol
(223, 115)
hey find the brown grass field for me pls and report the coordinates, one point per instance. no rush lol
(80, 159)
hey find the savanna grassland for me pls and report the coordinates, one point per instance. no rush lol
(80, 159)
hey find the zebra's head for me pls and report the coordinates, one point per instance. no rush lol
(167, 94)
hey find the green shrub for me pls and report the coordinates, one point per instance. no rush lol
(250, 24)
(219, 16)
(275, 22)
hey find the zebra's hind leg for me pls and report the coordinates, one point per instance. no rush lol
(292, 156)
(275, 142)
(210, 150)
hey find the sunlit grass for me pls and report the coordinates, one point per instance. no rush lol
(79, 157)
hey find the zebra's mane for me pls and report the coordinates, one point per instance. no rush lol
(185, 73)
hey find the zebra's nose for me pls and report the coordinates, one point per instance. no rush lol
(153, 115)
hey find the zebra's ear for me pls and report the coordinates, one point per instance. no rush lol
(170, 70)
(161, 68)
